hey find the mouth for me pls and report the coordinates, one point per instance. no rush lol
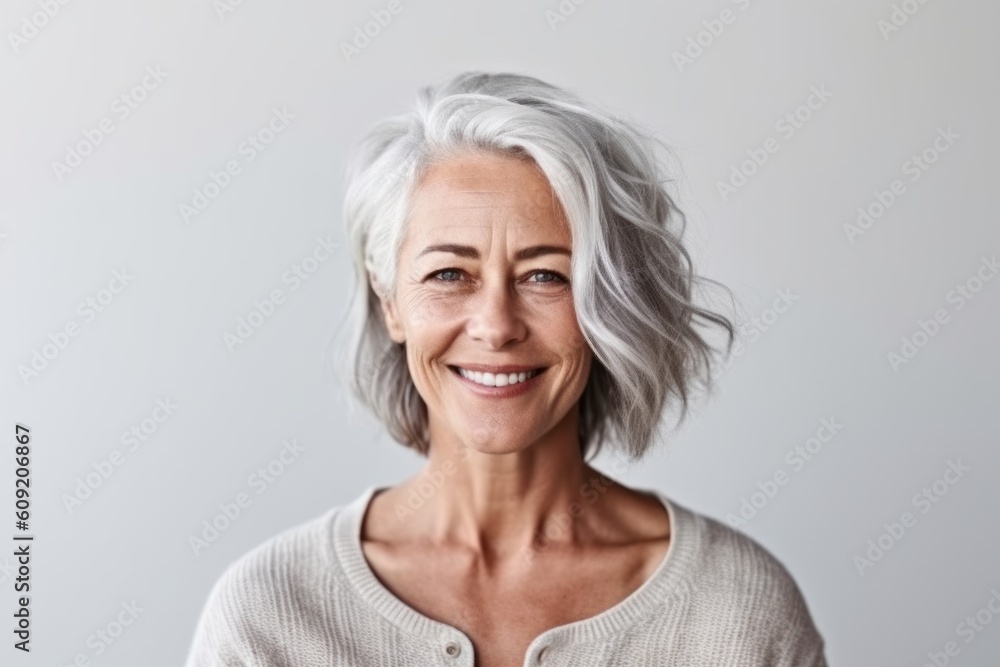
(496, 380)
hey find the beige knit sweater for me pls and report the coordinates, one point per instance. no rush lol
(308, 597)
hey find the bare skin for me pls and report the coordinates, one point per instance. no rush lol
(482, 552)
(503, 602)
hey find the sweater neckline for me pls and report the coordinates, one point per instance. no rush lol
(669, 582)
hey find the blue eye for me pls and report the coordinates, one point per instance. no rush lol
(444, 271)
(553, 277)
(556, 277)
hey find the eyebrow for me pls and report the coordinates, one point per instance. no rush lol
(473, 253)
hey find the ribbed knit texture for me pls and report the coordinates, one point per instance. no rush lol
(308, 597)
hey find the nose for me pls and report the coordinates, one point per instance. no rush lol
(496, 317)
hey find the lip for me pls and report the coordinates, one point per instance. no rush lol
(498, 368)
(508, 391)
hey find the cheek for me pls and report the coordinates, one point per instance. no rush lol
(557, 317)
(431, 323)
(556, 325)
(425, 311)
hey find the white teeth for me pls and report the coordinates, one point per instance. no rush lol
(499, 380)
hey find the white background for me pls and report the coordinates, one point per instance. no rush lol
(163, 335)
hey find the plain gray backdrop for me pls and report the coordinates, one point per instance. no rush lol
(887, 326)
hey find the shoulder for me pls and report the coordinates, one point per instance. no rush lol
(296, 560)
(733, 576)
(264, 592)
(734, 563)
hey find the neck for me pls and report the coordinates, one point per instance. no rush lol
(506, 505)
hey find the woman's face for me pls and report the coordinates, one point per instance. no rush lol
(483, 282)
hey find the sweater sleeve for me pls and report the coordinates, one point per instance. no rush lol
(767, 610)
(271, 607)
(218, 640)
(245, 621)
(804, 647)
(801, 644)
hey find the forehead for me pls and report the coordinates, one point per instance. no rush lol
(482, 190)
(474, 171)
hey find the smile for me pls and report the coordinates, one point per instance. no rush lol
(497, 379)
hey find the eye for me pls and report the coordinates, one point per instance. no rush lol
(445, 272)
(554, 277)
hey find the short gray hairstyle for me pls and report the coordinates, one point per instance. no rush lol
(631, 277)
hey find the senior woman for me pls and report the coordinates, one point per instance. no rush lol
(523, 298)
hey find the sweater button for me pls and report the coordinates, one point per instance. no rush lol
(452, 649)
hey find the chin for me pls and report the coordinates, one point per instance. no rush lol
(487, 441)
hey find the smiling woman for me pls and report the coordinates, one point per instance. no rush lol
(478, 281)
(523, 298)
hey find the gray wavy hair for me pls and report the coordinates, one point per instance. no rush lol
(631, 277)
